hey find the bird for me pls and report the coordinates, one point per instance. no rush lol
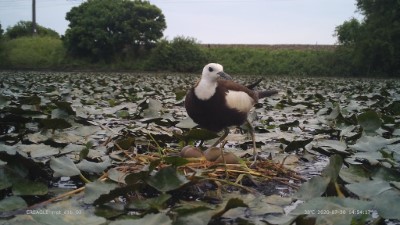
(216, 102)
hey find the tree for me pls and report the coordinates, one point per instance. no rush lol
(102, 28)
(24, 29)
(348, 32)
(375, 41)
(1, 31)
(182, 54)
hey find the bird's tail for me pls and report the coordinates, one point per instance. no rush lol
(267, 93)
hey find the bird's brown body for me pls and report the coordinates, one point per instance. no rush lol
(214, 113)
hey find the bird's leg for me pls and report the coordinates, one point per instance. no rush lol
(253, 138)
(226, 132)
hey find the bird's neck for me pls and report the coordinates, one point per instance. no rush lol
(205, 89)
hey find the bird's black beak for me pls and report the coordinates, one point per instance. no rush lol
(224, 75)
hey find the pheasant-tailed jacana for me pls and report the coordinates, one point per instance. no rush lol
(216, 104)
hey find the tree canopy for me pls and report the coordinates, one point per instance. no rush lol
(374, 41)
(1, 31)
(24, 29)
(102, 28)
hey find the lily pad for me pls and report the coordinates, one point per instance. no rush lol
(167, 179)
(387, 204)
(12, 203)
(369, 189)
(369, 121)
(95, 189)
(149, 219)
(63, 167)
(26, 187)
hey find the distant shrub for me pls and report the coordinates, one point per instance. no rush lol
(34, 53)
(259, 61)
(24, 29)
(182, 54)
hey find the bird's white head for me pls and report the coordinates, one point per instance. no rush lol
(213, 71)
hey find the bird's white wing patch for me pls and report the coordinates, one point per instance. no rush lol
(239, 100)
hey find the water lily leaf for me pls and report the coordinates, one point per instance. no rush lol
(286, 126)
(72, 148)
(231, 204)
(40, 150)
(387, 204)
(369, 189)
(26, 187)
(12, 203)
(369, 121)
(197, 134)
(167, 179)
(149, 219)
(65, 106)
(297, 144)
(337, 146)
(372, 143)
(122, 114)
(92, 167)
(317, 206)
(67, 212)
(280, 219)
(56, 123)
(194, 215)
(153, 108)
(32, 100)
(10, 150)
(4, 101)
(116, 175)
(95, 189)
(354, 174)
(333, 168)
(176, 161)
(63, 167)
(58, 113)
(313, 188)
(156, 203)
(394, 108)
(186, 123)
(110, 210)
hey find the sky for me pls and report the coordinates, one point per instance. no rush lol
(216, 21)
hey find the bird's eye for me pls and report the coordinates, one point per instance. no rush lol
(210, 69)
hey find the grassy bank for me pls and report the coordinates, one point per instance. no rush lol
(49, 53)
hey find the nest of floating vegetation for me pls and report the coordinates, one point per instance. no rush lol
(244, 174)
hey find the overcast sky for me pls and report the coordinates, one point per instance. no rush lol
(217, 21)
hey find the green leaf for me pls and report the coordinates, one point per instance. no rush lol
(354, 174)
(153, 109)
(95, 189)
(167, 179)
(369, 121)
(297, 144)
(369, 189)
(286, 126)
(92, 167)
(176, 161)
(388, 204)
(56, 123)
(313, 188)
(197, 134)
(333, 168)
(231, 204)
(333, 210)
(12, 203)
(156, 203)
(26, 187)
(63, 167)
(149, 219)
